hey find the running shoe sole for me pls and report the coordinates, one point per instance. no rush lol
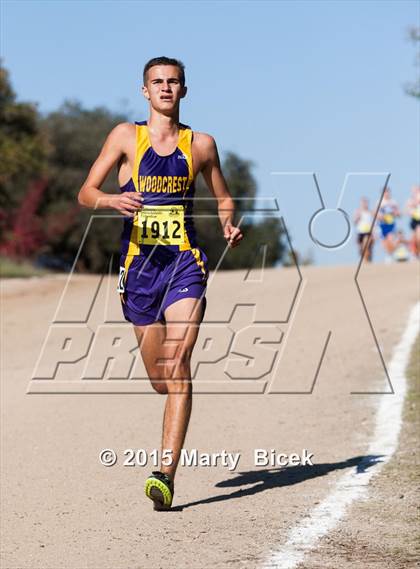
(159, 493)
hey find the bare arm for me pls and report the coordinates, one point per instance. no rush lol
(90, 195)
(409, 207)
(217, 185)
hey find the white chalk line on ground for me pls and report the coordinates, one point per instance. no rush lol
(351, 486)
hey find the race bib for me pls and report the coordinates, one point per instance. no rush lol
(364, 227)
(388, 218)
(120, 287)
(416, 213)
(161, 225)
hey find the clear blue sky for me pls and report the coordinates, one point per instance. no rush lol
(294, 86)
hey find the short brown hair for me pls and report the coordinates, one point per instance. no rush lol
(165, 61)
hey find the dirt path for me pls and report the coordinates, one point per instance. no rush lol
(62, 509)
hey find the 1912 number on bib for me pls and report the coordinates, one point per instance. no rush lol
(161, 225)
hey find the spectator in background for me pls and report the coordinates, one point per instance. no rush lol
(363, 219)
(413, 210)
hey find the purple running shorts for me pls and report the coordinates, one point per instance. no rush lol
(150, 282)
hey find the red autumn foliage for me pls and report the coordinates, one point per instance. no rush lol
(25, 232)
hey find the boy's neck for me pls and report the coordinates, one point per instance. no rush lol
(163, 124)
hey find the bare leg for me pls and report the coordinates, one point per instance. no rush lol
(417, 241)
(369, 248)
(366, 247)
(182, 327)
(151, 340)
(389, 243)
(360, 249)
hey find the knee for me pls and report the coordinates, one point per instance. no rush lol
(179, 380)
(180, 386)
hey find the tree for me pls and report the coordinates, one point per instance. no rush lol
(413, 89)
(23, 148)
(24, 231)
(75, 136)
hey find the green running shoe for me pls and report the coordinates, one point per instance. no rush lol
(160, 488)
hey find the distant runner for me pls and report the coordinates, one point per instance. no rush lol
(413, 210)
(402, 251)
(363, 219)
(387, 214)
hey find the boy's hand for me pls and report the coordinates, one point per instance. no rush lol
(127, 203)
(233, 235)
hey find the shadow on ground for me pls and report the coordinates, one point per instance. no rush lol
(260, 480)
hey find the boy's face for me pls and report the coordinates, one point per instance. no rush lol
(163, 88)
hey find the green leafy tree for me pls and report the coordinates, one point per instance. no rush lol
(23, 177)
(23, 148)
(76, 135)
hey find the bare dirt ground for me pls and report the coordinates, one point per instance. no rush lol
(62, 509)
(383, 530)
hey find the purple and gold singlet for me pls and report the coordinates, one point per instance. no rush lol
(160, 259)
